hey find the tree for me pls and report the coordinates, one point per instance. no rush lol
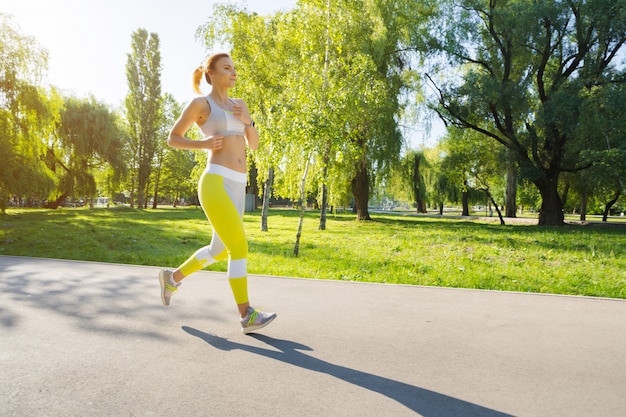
(26, 115)
(523, 70)
(143, 108)
(176, 165)
(604, 113)
(483, 168)
(510, 200)
(417, 166)
(374, 65)
(357, 129)
(333, 103)
(87, 138)
(170, 110)
(442, 183)
(265, 85)
(176, 180)
(408, 180)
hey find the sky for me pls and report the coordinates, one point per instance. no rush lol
(88, 42)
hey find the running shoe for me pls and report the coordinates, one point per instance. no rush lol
(255, 320)
(167, 289)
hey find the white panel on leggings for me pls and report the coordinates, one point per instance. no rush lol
(237, 268)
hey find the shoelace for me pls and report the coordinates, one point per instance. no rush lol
(253, 316)
(170, 287)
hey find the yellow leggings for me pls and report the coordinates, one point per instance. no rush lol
(222, 195)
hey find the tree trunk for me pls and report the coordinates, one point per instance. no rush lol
(267, 193)
(490, 197)
(141, 183)
(56, 203)
(583, 205)
(253, 188)
(324, 209)
(465, 200)
(159, 167)
(296, 248)
(156, 188)
(511, 191)
(361, 189)
(565, 194)
(327, 147)
(3, 202)
(132, 190)
(607, 207)
(420, 204)
(146, 193)
(551, 212)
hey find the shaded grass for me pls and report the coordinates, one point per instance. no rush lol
(581, 260)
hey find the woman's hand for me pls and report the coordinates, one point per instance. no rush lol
(242, 114)
(214, 142)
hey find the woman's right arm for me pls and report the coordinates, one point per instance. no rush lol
(192, 113)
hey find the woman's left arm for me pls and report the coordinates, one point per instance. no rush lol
(240, 111)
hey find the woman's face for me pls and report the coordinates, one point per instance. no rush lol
(223, 74)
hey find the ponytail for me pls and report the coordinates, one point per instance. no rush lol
(197, 78)
(204, 70)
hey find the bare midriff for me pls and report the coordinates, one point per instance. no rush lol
(232, 154)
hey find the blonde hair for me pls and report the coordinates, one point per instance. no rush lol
(204, 70)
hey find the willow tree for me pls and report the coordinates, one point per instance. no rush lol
(143, 109)
(523, 69)
(441, 178)
(26, 115)
(87, 139)
(369, 61)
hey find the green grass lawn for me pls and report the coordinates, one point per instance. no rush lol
(582, 260)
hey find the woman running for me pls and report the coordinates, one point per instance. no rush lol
(227, 128)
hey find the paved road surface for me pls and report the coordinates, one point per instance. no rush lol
(92, 339)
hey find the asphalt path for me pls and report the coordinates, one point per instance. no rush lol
(92, 339)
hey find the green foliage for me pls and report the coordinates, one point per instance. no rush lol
(408, 180)
(414, 250)
(475, 162)
(523, 75)
(328, 94)
(24, 115)
(603, 141)
(328, 83)
(87, 139)
(143, 108)
(172, 167)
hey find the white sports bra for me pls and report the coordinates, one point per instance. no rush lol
(221, 122)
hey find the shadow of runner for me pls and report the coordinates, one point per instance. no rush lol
(425, 402)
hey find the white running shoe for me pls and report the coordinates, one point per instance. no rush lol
(255, 320)
(167, 289)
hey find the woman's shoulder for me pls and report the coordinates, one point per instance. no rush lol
(199, 100)
(198, 103)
